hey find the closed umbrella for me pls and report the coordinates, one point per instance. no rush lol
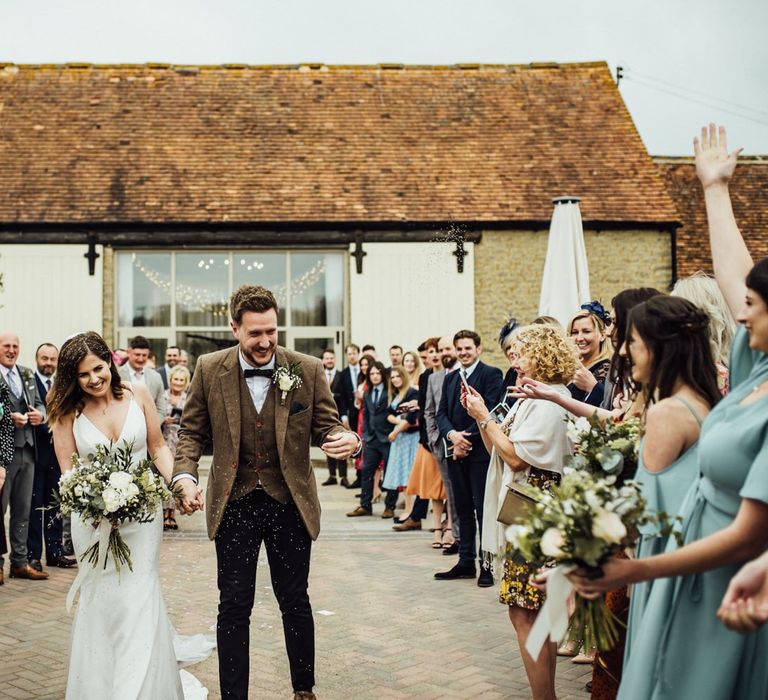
(565, 283)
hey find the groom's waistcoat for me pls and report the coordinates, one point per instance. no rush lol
(258, 462)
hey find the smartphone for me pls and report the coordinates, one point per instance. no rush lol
(464, 382)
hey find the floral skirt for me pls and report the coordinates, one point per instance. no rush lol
(515, 582)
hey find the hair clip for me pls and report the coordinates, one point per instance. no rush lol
(597, 309)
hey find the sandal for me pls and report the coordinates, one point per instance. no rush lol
(437, 540)
(447, 544)
(167, 519)
(569, 648)
(172, 522)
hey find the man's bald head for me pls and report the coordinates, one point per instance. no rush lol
(9, 349)
(447, 351)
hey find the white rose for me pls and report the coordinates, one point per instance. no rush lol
(592, 500)
(515, 533)
(131, 492)
(285, 382)
(607, 526)
(78, 490)
(111, 499)
(120, 480)
(551, 543)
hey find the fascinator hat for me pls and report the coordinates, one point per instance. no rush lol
(597, 309)
(506, 331)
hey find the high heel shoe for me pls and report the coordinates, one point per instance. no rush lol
(377, 498)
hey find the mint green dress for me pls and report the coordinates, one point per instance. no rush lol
(680, 650)
(664, 491)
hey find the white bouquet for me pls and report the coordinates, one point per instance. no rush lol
(108, 486)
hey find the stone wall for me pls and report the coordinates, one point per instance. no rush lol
(108, 286)
(509, 266)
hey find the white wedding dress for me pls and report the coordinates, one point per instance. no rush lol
(122, 639)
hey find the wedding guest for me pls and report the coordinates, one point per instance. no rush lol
(506, 335)
(369, 350)
(151, 362)
(172, 356)
(175, 398)
(703, 291)
(425, 482)
(413, 367)
(403, 437)
(333, 377)
(27, 412)
(184, 358)
(396, 355)
(137, 370)
(528, 447)
(346, 398)
(725, 513)
(376, 443)
(45, 525)
(6, 457)
(435, 383)
(469, 461)
(587, 330)
(362, 386)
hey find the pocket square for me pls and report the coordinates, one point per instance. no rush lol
(296, 407)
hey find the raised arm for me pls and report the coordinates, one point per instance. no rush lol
(532, 389)
(730, 258)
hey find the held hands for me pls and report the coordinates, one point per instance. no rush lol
(714, 165)
(745, 604)
(340, 445)
(19, 420)
(191, 496)
(35, 417)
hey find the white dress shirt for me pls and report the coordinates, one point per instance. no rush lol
(258, 387)
(136, 375)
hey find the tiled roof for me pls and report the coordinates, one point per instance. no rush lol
(749, 193)
(155, 143)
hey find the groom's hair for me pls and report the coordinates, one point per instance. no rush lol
(251, 297)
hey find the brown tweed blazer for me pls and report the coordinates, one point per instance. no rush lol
(308, 415)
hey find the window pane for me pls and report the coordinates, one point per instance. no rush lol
(317, 289)
(266, 269)
(313, 346)
(202, 289)
(144, 289)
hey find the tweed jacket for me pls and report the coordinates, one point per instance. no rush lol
(212, 411)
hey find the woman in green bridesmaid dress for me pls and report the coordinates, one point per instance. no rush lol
(669, 349)
(680, 650)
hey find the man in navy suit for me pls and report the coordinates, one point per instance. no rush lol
(346, 399)
(44, 521)
(468, 464)
(375, 441)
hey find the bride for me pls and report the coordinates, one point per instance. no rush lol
(122, 639)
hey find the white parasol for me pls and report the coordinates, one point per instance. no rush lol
(565, 283)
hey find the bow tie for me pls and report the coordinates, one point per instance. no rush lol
(258, 373)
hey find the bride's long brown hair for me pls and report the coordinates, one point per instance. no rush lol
(66, 396)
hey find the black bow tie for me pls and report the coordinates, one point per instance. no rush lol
(258, 373)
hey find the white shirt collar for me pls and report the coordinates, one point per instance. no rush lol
(45, 379)
(244, 364)
(468, 371)
(7, 370)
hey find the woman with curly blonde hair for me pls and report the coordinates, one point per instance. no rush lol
(528, 447)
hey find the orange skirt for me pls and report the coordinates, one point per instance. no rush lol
(425, 480)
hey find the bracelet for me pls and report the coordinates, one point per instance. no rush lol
(484, 423)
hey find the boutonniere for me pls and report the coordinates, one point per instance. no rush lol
(287, 378)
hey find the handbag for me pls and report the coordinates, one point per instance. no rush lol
(516, 505)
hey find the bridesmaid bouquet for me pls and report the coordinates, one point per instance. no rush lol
(607, 449)
(580, 524)
(109, 488)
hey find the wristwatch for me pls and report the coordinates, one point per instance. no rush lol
(485, 421)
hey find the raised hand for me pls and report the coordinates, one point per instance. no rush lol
(714, 165)
(532, 389)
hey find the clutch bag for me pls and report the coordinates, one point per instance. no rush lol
(515, 506)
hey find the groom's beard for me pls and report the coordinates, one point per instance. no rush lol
(258, 359)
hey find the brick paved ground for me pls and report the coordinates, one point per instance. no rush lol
(385, 628)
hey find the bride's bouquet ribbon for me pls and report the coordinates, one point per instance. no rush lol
(100, 536)
(552, 620)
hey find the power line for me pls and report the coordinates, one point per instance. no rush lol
(720, 108)
(699, 93)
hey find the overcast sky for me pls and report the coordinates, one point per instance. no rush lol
(713, 53)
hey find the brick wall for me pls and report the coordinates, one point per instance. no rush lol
(509, 265)
(108, 261)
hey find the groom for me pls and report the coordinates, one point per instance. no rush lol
(261, 487)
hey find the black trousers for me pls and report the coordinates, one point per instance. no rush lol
(334, 464)
(468, 479)
(247, 522)
(44, 521)
(374, 452)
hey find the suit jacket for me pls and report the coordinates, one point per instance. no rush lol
(336, 389)
(432, 401)
(46, 456)
(153, 383)
(451, 415)
(347, 397)
(31, 397)
(377, 427)
(164, 376)
(212, 411)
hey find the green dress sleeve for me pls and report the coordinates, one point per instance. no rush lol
(756, 483)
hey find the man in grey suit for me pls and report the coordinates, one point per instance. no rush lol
(135, 370)
(434, 393)
(27, 411)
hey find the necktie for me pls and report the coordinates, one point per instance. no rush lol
(328, 375)
(376, 393)
(47, 386)
(13, 383)
(258, 373)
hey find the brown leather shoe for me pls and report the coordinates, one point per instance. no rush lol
(28, 572)
(304, 695)
(407, 525)
(357, 512)
(2, 579)
(388, 514)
